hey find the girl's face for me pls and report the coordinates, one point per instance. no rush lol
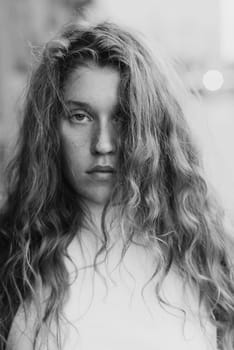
(89, 133)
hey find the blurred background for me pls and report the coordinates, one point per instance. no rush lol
(197, 34)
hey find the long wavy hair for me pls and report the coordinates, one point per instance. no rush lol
(160, 190)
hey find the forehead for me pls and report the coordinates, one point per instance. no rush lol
(93, 84)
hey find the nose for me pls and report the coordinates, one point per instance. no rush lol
(104, 139)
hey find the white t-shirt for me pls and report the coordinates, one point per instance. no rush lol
(109, 312)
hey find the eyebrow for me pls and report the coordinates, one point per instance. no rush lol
(79, 104)
(86, 106)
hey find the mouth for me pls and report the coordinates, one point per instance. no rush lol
(101, 169)
(102, 172)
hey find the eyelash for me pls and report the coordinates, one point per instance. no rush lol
(73, 116)
(118, 120)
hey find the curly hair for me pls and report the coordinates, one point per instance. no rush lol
(160, 189)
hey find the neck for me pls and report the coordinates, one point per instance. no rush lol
(94, 219)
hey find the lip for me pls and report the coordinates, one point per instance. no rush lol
(101, 169)
(102, 173)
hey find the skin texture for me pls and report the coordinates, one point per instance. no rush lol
(89, 132)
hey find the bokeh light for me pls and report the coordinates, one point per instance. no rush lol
(213, 80)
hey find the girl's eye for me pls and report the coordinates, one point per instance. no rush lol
(117, 119)
(80, 117)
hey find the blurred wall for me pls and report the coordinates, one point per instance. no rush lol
(187, 28)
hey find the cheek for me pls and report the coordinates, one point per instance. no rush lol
(75, 150)
(74, 154)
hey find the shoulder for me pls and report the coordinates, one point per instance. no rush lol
(184, 303)
(22, 331)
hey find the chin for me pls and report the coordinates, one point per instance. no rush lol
(100, 201)
(97, 199)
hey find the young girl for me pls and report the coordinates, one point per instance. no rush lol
(109, 236)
